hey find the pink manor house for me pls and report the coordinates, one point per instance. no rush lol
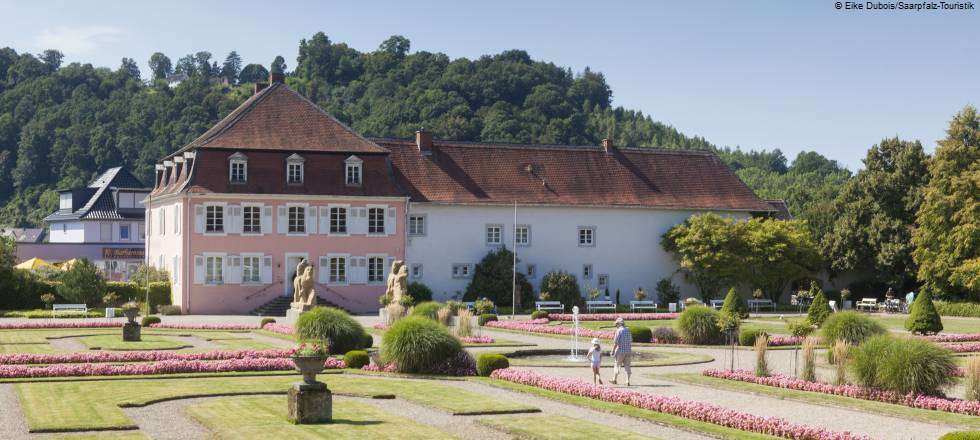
(279, 180)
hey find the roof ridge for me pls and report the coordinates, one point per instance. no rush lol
(473, 144)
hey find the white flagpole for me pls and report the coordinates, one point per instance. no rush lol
(513, 303)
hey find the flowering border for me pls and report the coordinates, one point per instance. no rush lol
(613, 316)
(700, 411)
(58, 324)
(136, 356)
(160, 367)
(181, 326)
(281, 329)
(970, 337)
(962, 348)
(538, 326)
(477, 340)
(919, 401)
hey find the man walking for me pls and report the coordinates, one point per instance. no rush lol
(622, 350)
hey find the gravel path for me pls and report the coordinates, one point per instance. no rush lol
(168, 421)
(67, 344)
(11, 417)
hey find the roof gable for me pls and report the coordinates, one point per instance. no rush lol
(279, 118)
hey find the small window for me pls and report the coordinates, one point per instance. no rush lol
(416, 225)
(522, 235)
(294, 169)
(251, 220)
(297, 220)
(416, 271)
(214, 267)
(239, 171)
(353, 172)
(587, 271)
(176, 219)
(376, 220)
(124, 232)
(214, 219)
(338, 220)
(461, 270)
(494, 235)
(532, 271)
(250, 270)
(338, 270)
(376, 270)
(586, 236)
(603, 280)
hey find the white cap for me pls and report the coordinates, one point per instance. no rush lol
(595, 341)
(619, 321)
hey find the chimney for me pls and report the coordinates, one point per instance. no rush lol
(276, 78)
(423, 140)
(159, 170)
(259, 85)
(607, 145)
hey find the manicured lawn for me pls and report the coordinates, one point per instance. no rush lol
(556, 427)
(101, 436)
(115, 342)
(630, 411)
(40, 336)
(265, 417)
(94, 404)
(899, 411)
(244, 344)
(26, 348)
(897, 323)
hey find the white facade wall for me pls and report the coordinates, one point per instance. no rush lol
(165, 244)
(627, 244)
(91, 231)
(66, 232)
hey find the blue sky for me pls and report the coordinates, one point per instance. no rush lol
(770, 74)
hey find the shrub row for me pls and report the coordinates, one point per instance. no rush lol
(967, 309)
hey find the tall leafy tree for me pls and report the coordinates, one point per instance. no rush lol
(129, 69)
(160, 66)
(709, 250)
(52, 59)
(232, 66)
(948, 237)
(875, 214)
(778, 253)
(253, 73)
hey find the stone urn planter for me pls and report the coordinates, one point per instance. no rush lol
(131, 314)
(310, 401)
(131, 329)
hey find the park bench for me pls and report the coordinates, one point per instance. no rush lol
(717, 303)
(642, 305)
(592, 306)
(550, 306)
(758, 304)
(469, 304)
(68, 308)
(869, 304)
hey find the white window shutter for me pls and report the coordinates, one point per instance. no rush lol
(324, 220)
(233, 219)
(266, 219)
(199, 219)
(311, 220)
(347, 269)
(198, 269)
(281, 221)
(363, 272)
(323, 274)
(233, 270)
(266, 270)
(354, 265)
(391, 217)
(358, 221)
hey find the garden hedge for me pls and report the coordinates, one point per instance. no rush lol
(965, 309)
(419, 292)
(539, 314)
(747, 337)
(150, 320)
(485, 318)
(640, 334)
(356, 359)
(488, 362)
(265, 321)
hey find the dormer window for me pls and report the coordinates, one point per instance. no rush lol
(353, 170)
(294, 169)
(238, 168)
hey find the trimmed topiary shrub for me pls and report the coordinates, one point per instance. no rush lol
(923, 318)
(148, 320)
(428, 309)
(735, 305)
(665, 335)
(419, 292)
(488, 362)
(820, 308)
(640, 333)
(367, 341)
(265, 321)
(419, 345)
(485, 318)
(699, 325)
(356, 359)
(903, 365)
(341, 332)
(852, 327)
(800, 327)
(538, 314)
(748, 336)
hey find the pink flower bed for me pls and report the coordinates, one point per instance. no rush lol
(962, 348)
(137, 356)
(160, 367)
(700, 411)
(390, 368)
(779, 341)
(380, 326)
(538, 326)
(180, 326)
(954, 338)
(281, 329)
(613, 316)
(477, 340)
(58, 324)
(912, 400)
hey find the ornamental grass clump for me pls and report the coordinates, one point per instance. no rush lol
(903, 365)
(699, 325)
(852, 327)
(842, 351)
(464, 324)
(809, 372)
(973, 379)
(428, 309)
(341, 332)
(419, 345)
(761, 363)
(444, 316)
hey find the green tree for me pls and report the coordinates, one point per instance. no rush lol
(82, 283)
(820, 307)
(779, 252)
(709, 250)
(253, 73)
(231, 67)
(493, 278)
(160, 66)
(52, 58)
(923, 317)
(563, 287)
(733, 311)
(947, 241)
(129, 69)
(875, 214)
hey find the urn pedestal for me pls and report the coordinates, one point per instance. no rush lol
(131, 332)
(309, 401)
(296, 309)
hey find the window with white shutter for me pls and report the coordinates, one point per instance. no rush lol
(198, 269)
(266, 270)
(281, 221)
(199, 219)
(311, 222)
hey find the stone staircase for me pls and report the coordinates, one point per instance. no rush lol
(280, 304)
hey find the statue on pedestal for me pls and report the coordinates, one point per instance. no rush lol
(304, 297)
(397, 281)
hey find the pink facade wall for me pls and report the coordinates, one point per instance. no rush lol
(201, 298)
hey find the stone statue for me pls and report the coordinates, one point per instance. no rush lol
(304, 298)
(397, 281)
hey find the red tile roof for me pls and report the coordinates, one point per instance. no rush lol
(280, 118)
(463, 172)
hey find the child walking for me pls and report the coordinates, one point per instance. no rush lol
(595, 357)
